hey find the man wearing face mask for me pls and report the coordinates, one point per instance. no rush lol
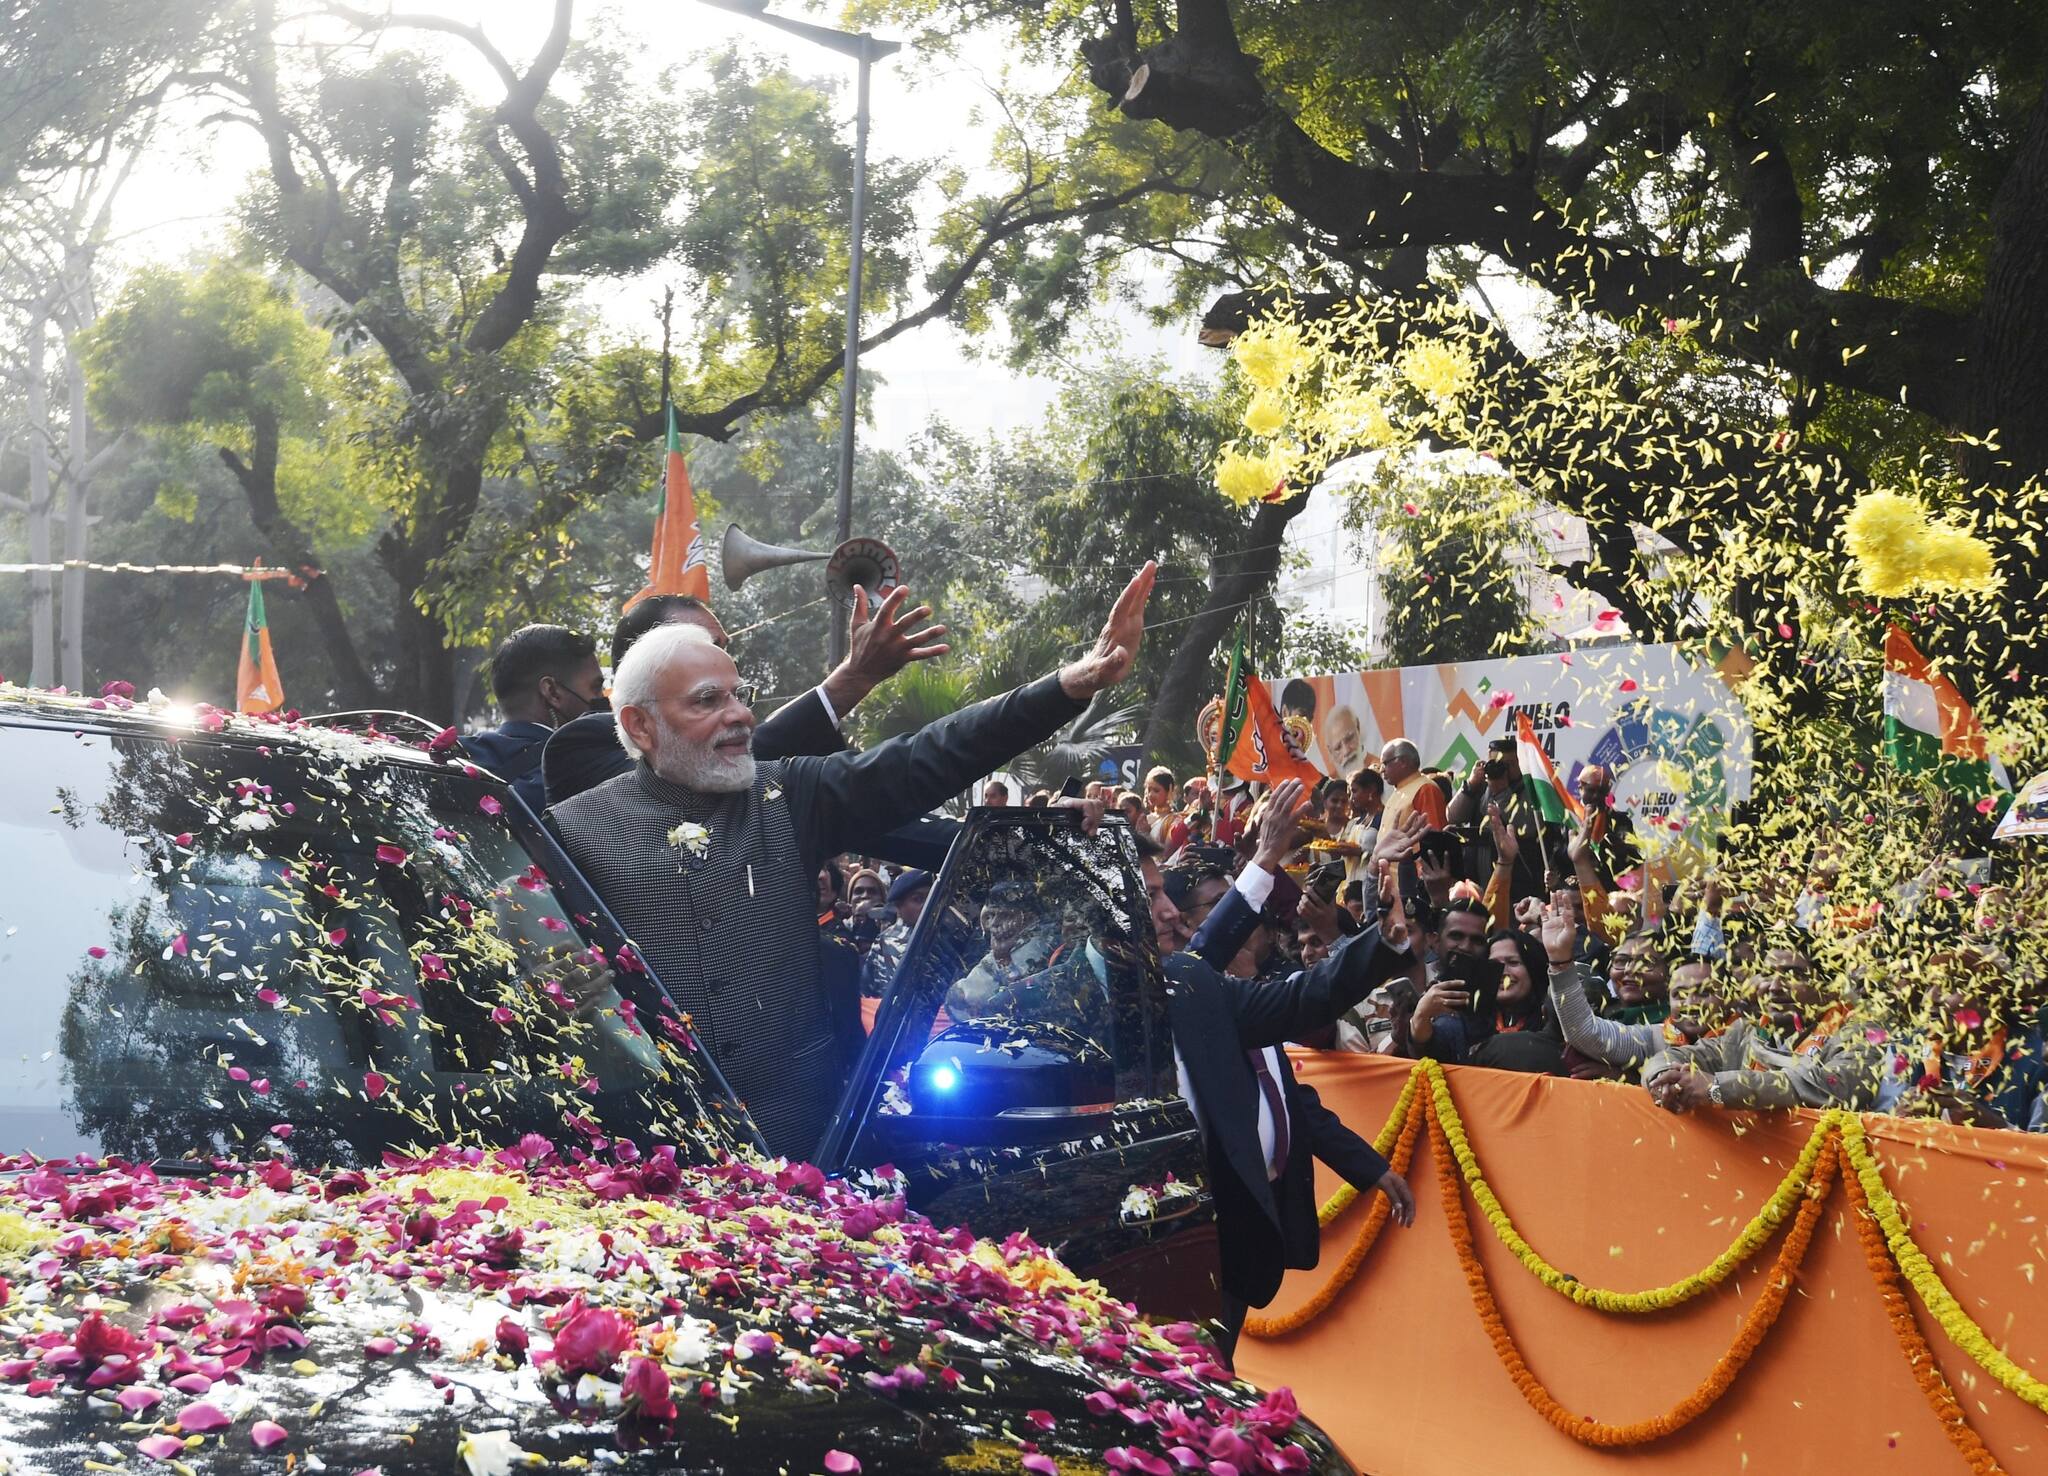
(543, 676)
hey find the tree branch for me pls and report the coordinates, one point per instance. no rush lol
(1884, 348)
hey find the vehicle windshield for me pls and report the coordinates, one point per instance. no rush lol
(1036, 930)
(213, 948)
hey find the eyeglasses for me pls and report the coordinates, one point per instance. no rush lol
(708, 700)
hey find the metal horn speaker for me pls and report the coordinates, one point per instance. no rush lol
(743, 557)
(868, 562)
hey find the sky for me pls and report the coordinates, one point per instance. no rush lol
(182, 197)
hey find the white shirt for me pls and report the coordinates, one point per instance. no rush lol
(1255, 885)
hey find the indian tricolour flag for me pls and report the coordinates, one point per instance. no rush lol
(1539, 776)
(1928, 727)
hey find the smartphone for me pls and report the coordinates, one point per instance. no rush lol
(1325, 879)
(1479, 977)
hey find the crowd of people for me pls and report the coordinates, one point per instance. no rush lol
(1397, 910)
(1553, 948)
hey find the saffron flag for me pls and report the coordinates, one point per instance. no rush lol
(1264, 753)
(1928, 727)
(1539, 776)
(678, 566)
(257, 688)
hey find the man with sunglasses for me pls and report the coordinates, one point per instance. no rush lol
(708, 857)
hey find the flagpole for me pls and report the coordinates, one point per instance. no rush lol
(866, 50)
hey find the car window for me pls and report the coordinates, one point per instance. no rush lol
(212, 948)
(1037, 937)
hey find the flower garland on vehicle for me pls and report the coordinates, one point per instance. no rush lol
(1756, 1323)
(1775, 1211)
(1941, 1399)
(1961, 1328)
(803, 1282)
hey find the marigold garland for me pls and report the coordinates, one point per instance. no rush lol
(1410, 1124)
(1941, 1399)
(1759, 1320)
(1962, 1329)
(1775, 1211)
(1383, 1142)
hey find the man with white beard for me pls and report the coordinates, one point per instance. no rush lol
(709, 859)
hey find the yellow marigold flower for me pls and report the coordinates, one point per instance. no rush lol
(1440, 371)
(1953, 560)
(1269, 353)
(1884, 528)
(1266, 413)
(1245, 478)
(20, 1237)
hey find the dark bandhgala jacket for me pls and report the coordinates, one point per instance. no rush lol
(733, 933)
(1266, 1226)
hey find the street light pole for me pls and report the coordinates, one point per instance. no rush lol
(866, 50)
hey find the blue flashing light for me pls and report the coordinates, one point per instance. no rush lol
(944, 1078)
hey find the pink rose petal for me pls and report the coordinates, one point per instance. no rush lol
(203, 1418)
(490, 805)
(839, 1463)
(161, 1447)
(266, 1433)
(374, 1083)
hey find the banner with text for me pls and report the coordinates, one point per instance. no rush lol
(1671, 732)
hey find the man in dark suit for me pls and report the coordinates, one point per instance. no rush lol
(583, 754)
(1263, 1129)
(543, 677)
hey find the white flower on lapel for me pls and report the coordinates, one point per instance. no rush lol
(692, 840)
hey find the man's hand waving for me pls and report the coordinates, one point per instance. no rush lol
(1110, 660)
(879, 643)
(1280, 825)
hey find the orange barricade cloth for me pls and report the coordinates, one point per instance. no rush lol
(1618, 1194)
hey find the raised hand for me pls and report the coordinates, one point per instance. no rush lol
(881, 640)
(1507, 846)
(1560, 929)
(1399, 842)
(1109, 660)
(1393, 914)
(1280, 824)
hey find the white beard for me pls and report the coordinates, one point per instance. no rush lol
(703, 769)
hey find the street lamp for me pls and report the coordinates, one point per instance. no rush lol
(866, 50)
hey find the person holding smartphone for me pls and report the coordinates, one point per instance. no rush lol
(1484, 985)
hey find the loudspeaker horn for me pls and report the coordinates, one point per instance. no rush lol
(743, 557)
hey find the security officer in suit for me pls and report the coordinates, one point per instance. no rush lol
(1263, 1129)
(543, 677)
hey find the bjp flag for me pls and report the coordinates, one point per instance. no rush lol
(678, 566)
(1263, 755)
(257, 688)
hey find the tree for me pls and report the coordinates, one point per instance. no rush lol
(227, 356)
(1452, 566)
(53, 235)
(1844, 205)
